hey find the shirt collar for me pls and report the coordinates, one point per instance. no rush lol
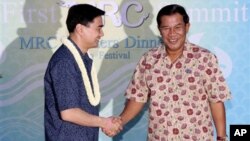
(78, 49)
(185, 52)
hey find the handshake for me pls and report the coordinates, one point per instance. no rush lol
(112, 126)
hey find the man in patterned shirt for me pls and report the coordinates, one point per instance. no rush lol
(183, 84)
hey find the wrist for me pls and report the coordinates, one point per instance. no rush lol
(220, 138)
(102, 122)
(123, 120)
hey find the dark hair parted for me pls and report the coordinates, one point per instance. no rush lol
(82, 14)
(170, 10)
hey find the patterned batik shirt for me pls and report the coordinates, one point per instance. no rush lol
(179, 93)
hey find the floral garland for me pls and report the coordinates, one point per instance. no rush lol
(93, 99)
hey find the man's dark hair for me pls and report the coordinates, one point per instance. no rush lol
(170, 10)
(82, 14)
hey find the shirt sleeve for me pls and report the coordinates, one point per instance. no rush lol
(65, 85)
(137, 89)
(215, 84)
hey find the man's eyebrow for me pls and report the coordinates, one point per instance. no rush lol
(169, 26)
(178, 24)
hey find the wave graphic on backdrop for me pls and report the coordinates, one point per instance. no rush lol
(21, 85)
(29, 125)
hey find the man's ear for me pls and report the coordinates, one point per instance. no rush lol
(79, 29)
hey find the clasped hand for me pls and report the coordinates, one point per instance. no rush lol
(113, 125)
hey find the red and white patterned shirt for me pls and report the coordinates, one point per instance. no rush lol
(179, 93)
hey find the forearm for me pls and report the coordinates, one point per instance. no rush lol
(219, 117)
(80, 117)
(132, 108)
